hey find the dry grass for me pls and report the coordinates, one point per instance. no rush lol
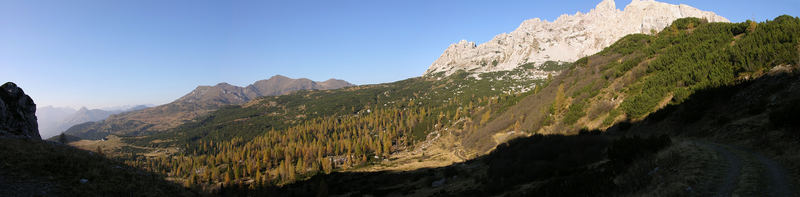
(114, 145)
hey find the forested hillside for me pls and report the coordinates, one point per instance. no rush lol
(277, 140)
(724, 141)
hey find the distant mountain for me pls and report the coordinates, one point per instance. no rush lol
(279, 85)
(126, 107)
(91, 115)
(50, 119)
(566, 39)
(199, 101)
(224, 93)
(54, 120)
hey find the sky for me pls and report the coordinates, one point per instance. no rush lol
(103, 53)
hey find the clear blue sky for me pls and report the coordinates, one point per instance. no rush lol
(100, 53)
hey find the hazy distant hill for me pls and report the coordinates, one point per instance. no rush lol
(50, 118)
(200, 101)
(54, 120)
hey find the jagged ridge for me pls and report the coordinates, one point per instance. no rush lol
(566, 39)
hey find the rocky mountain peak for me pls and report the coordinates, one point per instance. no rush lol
(17, 113)
(606, 5)
(568, 38)
(223, 84)
(278, 77)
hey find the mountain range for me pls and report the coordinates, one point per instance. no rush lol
(198, 102)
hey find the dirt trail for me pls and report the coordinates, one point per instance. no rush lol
(773, 175)
(732, 172)
(778, 184)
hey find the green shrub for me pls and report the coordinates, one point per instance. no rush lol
(628, 44)
(688, 23)
(610, 118)
(530, 65)
(582, 62)
(575, 112)
(555, 66)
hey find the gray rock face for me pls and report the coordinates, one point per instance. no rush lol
(567, 39)
(17, 113)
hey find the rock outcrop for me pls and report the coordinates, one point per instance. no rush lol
(17, 113)
(568, 38)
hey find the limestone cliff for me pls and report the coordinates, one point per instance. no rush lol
(568, 38)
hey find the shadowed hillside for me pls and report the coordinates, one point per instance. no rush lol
(44, 168)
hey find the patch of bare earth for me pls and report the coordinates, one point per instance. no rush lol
(440, 148)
